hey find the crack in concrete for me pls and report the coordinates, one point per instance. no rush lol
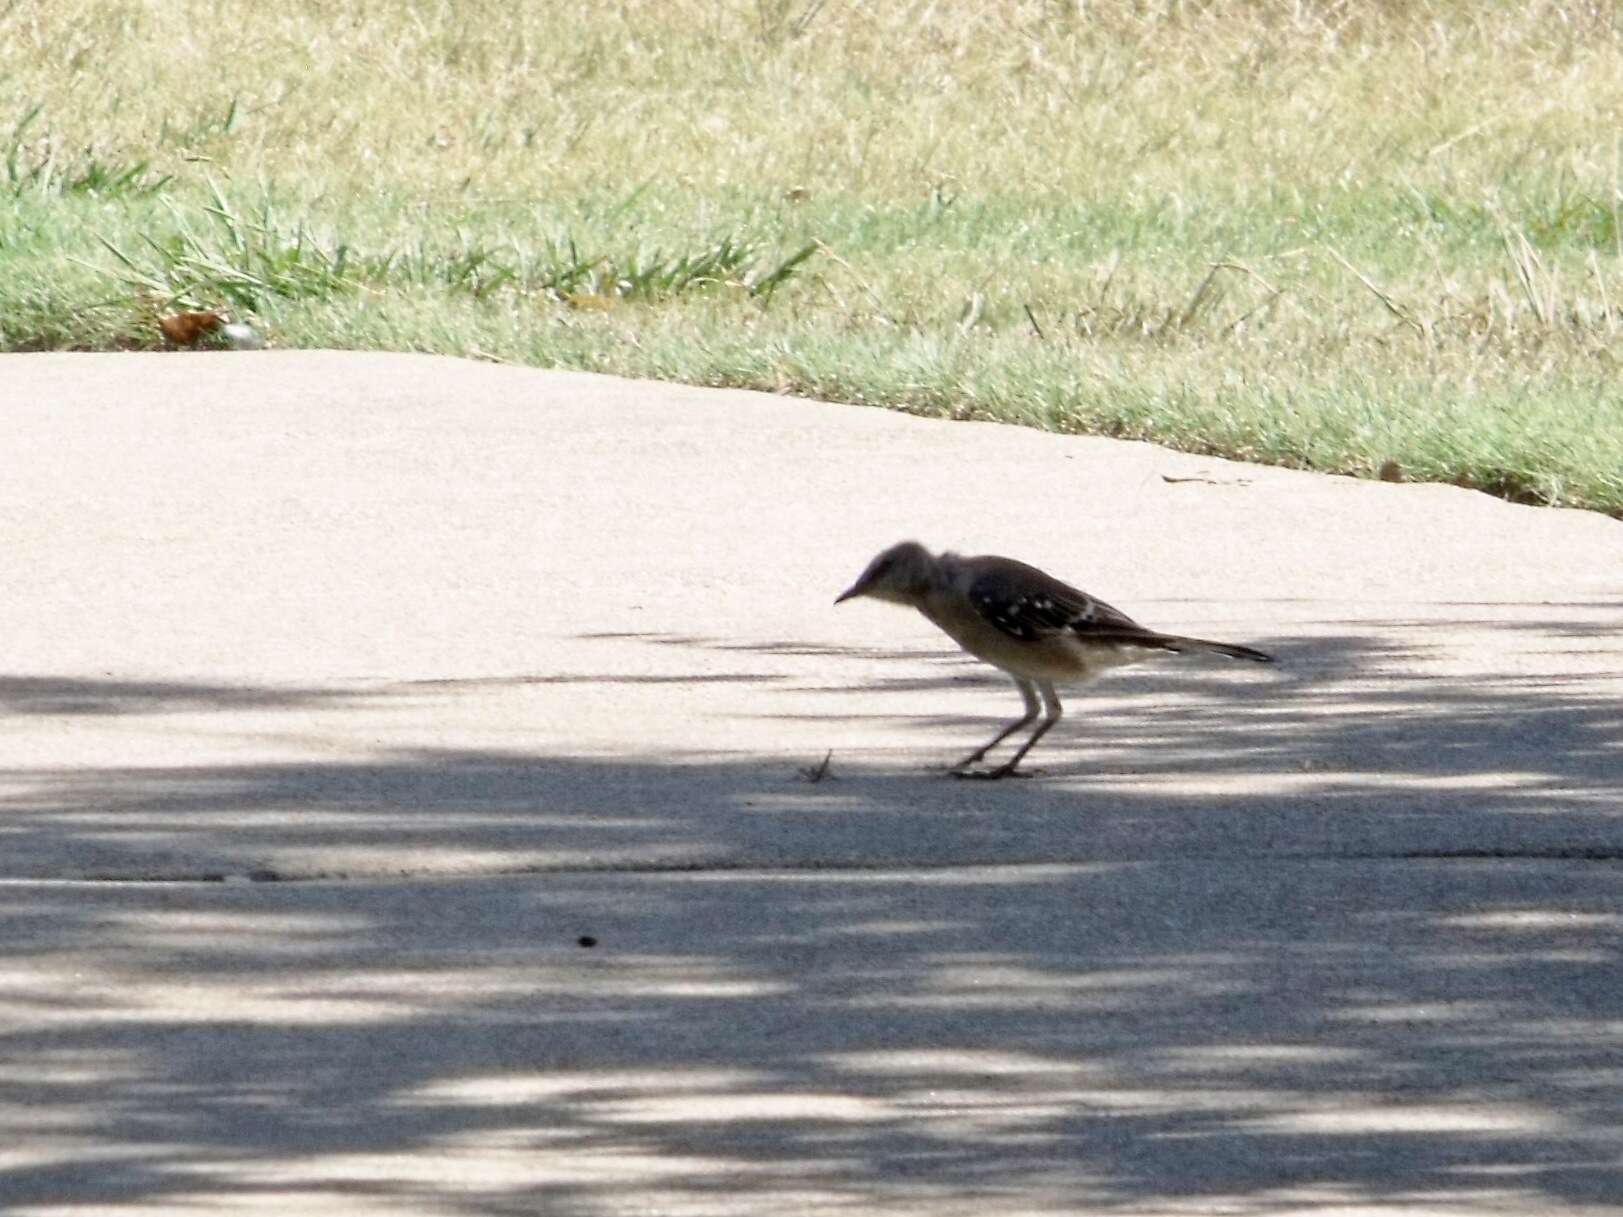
(267, 875)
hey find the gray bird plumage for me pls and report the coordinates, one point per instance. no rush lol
(1020, 619)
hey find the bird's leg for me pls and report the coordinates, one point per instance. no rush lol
(1055, 713)
(1027, 691)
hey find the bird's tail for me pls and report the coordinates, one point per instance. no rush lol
(1173, 642)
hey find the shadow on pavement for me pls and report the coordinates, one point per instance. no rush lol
(1321, 756)
(1108, 1038)
(1278, 987)
(62, 695)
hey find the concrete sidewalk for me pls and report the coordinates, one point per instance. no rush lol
(495, 658)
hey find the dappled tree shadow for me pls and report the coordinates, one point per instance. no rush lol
(1292, 764)
(62, 695)
(1111, 989)
(1116, 1037)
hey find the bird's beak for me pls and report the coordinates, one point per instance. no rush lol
(856, 589)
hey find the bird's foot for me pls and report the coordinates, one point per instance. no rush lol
(990, 775)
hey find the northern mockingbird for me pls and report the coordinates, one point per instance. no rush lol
(1017, 618)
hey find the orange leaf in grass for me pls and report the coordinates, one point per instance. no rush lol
(187, 329)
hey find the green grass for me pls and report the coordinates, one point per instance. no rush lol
(1323, 235)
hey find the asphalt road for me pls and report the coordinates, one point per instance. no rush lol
(413, 800)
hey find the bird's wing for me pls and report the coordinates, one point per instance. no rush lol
(1031, 605)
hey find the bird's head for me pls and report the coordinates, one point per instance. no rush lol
(901, 574)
